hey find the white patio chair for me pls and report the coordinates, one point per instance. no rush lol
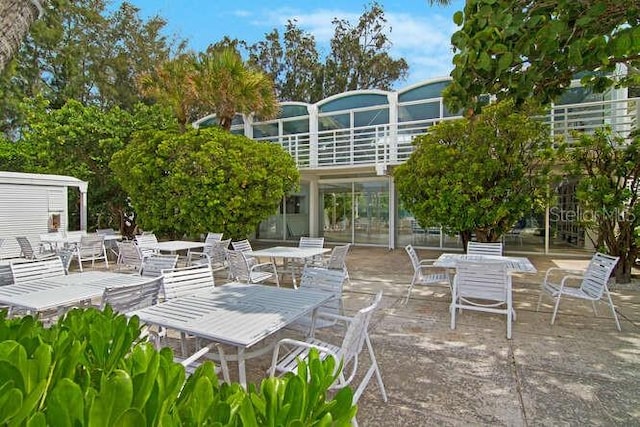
(307, 242)
(212, 238)
(348, 352)
(418, 234)
(593, 284)
(215, 255)
(153, 264)
(242, 245)
(66, 256)
(132, 297)
(147, 243)
(111, 245)
(91, 248)
(192, 362)
(245, 269)
(27, 249)
(425, 273)
(482, 286)
(36, 269)
(337, 260)
(129, 256)
(324, 279)
(182, 281)
(484, 248)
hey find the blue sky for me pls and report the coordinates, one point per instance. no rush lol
(420, 32)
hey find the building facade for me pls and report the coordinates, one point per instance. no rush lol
(347, 145)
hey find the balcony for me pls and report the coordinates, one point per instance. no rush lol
(380, 146)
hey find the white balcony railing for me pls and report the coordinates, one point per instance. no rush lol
(383, 145)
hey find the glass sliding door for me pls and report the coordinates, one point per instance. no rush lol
(371, 212)
(355, 212)
(336, 211)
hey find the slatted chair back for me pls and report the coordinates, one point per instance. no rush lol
(26, 249)
(246, 269)
(356, 333)
(482, 286)
(132, 297)
(91, 248)
(482, 248)
(597, 275)
(212, 238)
(129, 255)
(239, 268)
(337, 259)
(218, 254)
(327, 280)
(181, 281)
(1, 244)
(66, 256)
(242, 245)
(153, 264)
(311, 242)
(35, 270)
(146, 242)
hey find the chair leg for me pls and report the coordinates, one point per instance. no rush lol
(406, 300)
(555, 309)
(452, 309)
(595, 309)
(613, 311)
(539, 300)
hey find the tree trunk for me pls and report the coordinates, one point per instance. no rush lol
(466, 237)
(16, 16)
(623, 269)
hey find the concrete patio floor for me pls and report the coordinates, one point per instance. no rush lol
(580, 371)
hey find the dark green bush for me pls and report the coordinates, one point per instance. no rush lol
(92, 368)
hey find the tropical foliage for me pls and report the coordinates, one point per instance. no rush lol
(214, 82)
(202, 180)
(82, 50)
(358, 59)
(608, 190)
(524, 49)
(79, 141)
(92, 368)
(477, 175)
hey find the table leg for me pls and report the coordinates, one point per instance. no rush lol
(242, 373)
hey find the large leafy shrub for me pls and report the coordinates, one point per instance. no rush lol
(203, 180)
(92, 368)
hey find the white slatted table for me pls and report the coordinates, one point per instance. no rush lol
(63, 291)
(514, 264)
(236, 314)
(288, 252)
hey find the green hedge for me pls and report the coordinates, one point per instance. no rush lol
(92, 368)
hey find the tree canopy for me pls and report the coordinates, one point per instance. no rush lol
(84, 51)
(608, 191)
(478, 175)
(358, 59)
(203, 180)
(525, 49)
(79, 141)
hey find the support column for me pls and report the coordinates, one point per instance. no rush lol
(314, 207)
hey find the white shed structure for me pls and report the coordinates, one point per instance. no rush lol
(34, 204)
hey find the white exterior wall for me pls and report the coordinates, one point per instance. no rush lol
(27, 202)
